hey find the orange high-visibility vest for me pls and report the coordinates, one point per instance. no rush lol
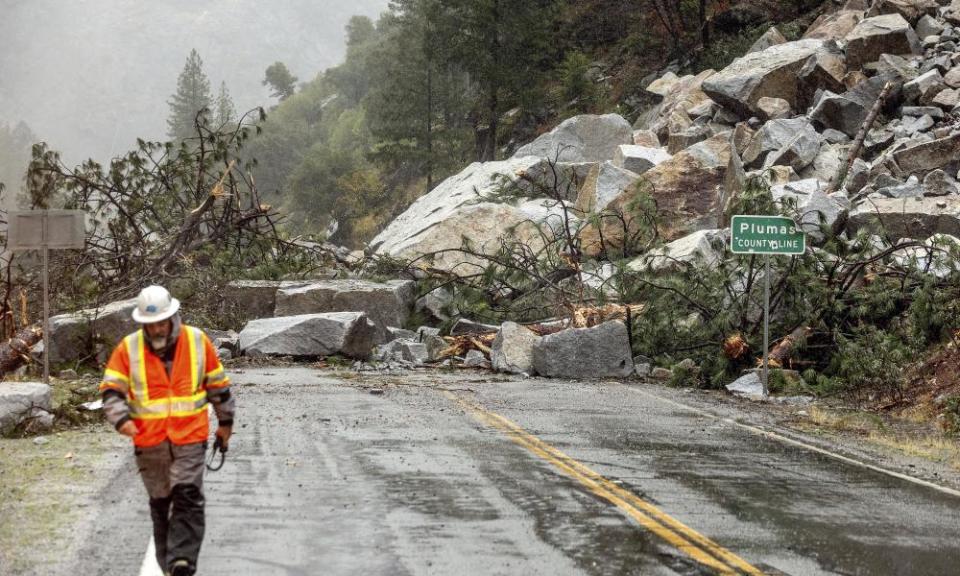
(166, 406)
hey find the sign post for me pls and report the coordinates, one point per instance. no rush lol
(45, 230)
(766, 235)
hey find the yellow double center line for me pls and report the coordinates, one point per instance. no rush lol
(680, 536)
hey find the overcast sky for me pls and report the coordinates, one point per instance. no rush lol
(90, 76)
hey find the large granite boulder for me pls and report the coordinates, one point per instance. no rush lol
(703, 248)
(686, 189)
(772, 73)
(512, 349)
(847, 111)
(749, 385)
(349, 334)
(663, 85)
(812, 208)
(466, 206)
(777, 135)
(604, 183)
(677, 141)
(825, 70)
(834, 26)
(911, 10)
(939, 183)
(918, 218)
(826, 166)
(797, 153)
(836, 112)
(912, 188)
(566, 178)
(683, 100)
(648, 138)
(952, 13)
(402, 350)
(586, 138)
(244, 300)
(924, 88)
(928, 156)
(887, 34)
(771, 37)
(437, 305)
(22, 400)
(928, 26)
(92, 331)
(599, 352)
(773, 109)
(639, 159)
(385, 303)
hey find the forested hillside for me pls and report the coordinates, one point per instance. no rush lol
(436, 84)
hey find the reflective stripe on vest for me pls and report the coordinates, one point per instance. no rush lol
(115, 380)
(198, 358)
(144, 408)
(216, 377)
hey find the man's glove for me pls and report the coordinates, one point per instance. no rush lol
(223, 434)
(128, 428)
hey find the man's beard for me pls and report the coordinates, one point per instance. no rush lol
(159, 343)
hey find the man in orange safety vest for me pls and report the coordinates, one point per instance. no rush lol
(156, 389)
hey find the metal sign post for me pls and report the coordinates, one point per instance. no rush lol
(45, 230)
(766, 235)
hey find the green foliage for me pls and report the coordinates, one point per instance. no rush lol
(686, 374)
(505, 48)
(280, 81)
(226, 112)
(820, 383)
(951, 416)
(191, 102)
(727, 48)
(578, 88)
(871, 362)
(867, 305)
(182, 212)
(418, 105)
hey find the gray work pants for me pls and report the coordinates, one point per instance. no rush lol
(173, 477)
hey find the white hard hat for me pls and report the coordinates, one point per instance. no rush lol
(154, 304)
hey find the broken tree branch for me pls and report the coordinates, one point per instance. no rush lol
(858, 141)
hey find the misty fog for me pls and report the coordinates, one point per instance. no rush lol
(91, 76)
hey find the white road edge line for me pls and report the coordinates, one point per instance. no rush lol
(780, 438)
(149, 566)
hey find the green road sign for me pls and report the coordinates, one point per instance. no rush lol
(766, 235)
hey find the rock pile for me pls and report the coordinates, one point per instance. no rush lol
(791, 108)
(787, 110)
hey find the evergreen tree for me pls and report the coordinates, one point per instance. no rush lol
(280, 80)
(352, 78)
(505, 47)
(226, 112)
(418, 100)
(192, 97)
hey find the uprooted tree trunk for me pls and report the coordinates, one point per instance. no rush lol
(783, 351)
(14, 352)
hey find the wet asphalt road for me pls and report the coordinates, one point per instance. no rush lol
(324, 477)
